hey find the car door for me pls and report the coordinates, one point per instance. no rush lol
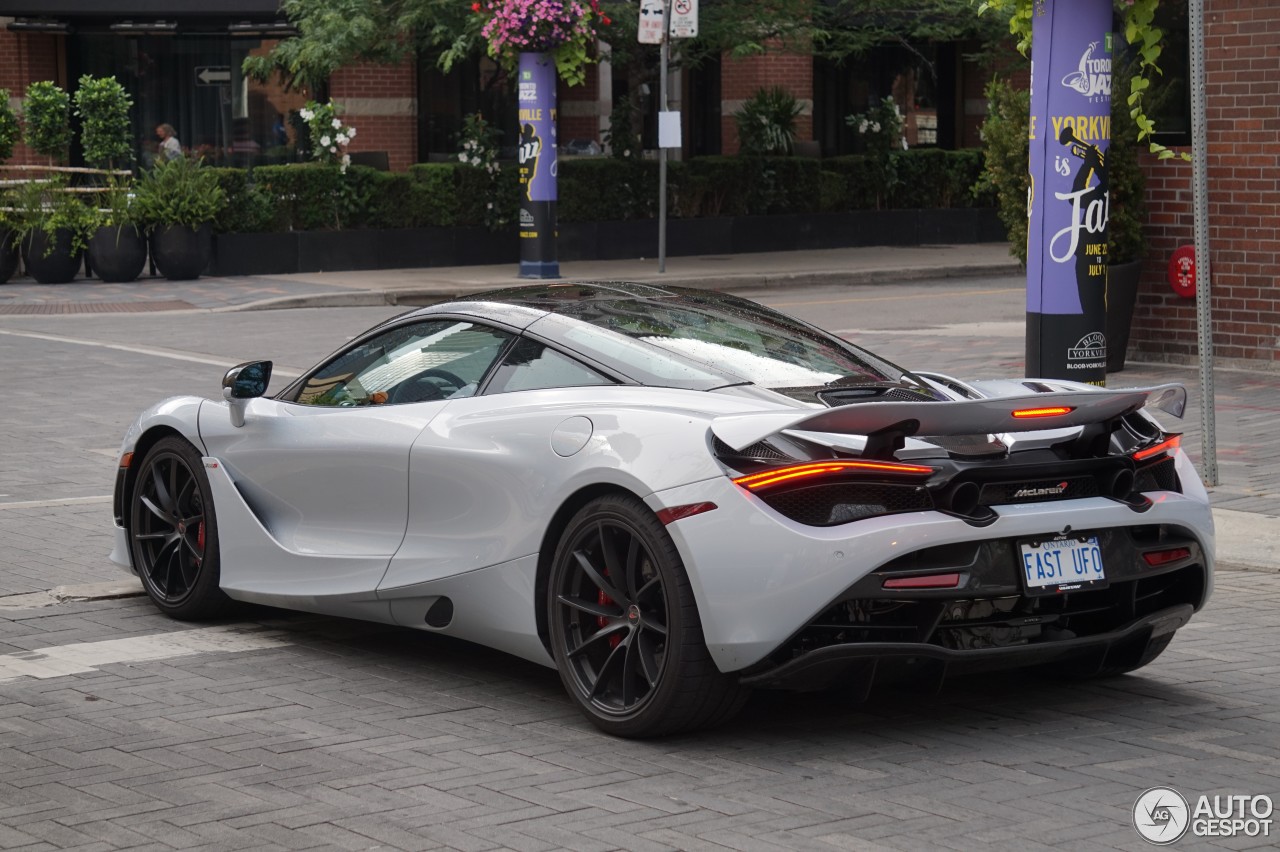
(324, 469)
(481, 470)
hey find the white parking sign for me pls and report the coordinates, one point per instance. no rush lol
(650, 31)
(684, 19)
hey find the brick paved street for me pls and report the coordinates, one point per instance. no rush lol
(352, 736)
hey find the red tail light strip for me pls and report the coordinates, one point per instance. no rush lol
(929, 581)
(1162, 447)
(1056, 411)
(1164, 557)
(789, 473)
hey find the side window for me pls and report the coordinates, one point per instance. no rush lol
(532, 366)
(437, 359)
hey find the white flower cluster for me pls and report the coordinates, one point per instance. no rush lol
(864, 125)
(331, 136)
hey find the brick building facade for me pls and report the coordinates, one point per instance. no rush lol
(1242, 53)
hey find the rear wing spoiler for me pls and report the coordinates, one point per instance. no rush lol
(963, 417)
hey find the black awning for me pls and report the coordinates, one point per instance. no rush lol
(148, 8)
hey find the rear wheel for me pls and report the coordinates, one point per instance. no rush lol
(173, 532)
(625, 631)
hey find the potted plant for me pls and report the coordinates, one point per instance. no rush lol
(117, 248)
(52, 226)
(47, 114)
(1128, 211)
(9, 132)
(177, 202)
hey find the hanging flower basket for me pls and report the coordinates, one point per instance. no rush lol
(566, 29)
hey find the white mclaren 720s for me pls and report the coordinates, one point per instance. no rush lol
(674, 497)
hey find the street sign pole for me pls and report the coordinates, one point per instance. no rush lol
(1200, 237)
(662, 152)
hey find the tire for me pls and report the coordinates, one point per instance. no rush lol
(173, 532)
(632, 655)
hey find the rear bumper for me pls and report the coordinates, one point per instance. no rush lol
(860, 665)
(759, 578)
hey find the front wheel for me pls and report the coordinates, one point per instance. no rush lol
(625, 632)
(173, 532)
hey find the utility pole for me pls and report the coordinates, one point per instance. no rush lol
(1200, 237)
(662, 152)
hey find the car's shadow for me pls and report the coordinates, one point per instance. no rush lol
(430, 668)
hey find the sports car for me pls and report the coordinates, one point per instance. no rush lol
(673, 497)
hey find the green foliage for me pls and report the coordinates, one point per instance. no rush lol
(605, 189)
(623, 136)
(478, 145)
(1006, 177)
(102, 105)
(178, 192)
(306, 197)
(1140, 31)
(932, 177)
(832, 192)
(47, 113)
(9, 128)
(1126, 183)
(435, 186)
(880, 132)
(767, 122)
(248, 209)
(314, 197)
(49, 206)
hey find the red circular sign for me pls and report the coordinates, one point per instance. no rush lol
(1182, 272)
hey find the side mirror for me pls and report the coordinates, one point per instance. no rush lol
(243, 383)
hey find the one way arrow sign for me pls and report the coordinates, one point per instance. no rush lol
(213, 75)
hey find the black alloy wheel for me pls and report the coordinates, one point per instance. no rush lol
(173, 532)
(625, 631)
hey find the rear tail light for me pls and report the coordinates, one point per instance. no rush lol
(1168, 445)
(806, 473)
(1156, 558)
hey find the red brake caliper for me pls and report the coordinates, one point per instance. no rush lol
(200, 538)
(601, 621)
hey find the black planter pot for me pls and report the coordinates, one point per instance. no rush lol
(56, 266)
(182, 253)
(8, 255)
(1122, 295)
(117, 254)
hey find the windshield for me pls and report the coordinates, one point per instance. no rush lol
(736, 338)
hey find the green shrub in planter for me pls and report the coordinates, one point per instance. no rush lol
(1004, 136)
(178, 192)
(47, 114)
(102, 105)
(248, 210)
(859, 185)
(932, 177)
(9, 128)
(434, 187)
(607, 189)
(833, 195)
(306, 196)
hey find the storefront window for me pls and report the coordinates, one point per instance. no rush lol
(193, 83)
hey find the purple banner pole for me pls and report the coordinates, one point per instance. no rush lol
(538, 166)
(1071, 48)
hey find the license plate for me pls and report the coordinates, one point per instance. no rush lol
(1065, 564)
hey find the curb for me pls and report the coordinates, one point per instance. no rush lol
(744, 281)
(126, 588)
